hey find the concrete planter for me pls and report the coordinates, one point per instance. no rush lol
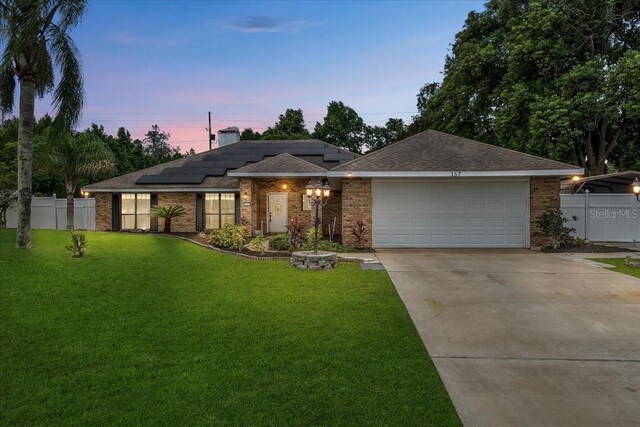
(306, 260)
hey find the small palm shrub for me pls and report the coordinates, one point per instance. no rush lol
(167, 212)
(229, 236)
(78, 244)
(553, 226)
(359, 232)
(257, 244)
(281, 242)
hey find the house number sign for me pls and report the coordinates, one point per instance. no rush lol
(456, 173)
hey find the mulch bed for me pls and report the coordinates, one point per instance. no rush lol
(204, 240)
(589, 248)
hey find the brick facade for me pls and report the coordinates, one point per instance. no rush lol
(182, 224)
(103, 211)
(356, 205)
(544, 196)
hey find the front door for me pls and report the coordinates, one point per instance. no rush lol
(277, 212)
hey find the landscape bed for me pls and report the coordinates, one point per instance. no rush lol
(154, 330)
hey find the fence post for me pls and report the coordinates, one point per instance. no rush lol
(55, 210)
(587, 218)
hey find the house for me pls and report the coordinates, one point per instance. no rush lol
(429, 190)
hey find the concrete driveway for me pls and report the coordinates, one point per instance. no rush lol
(523, 338)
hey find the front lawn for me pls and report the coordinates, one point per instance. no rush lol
(153, 330)
(620, 267)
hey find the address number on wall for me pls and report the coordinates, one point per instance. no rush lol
(456, 173)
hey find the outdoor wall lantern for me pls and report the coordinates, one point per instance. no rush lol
(636, 188)
(318, 195)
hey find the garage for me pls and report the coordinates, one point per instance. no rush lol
(458, 213)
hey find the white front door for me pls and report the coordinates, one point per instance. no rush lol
(277, 212)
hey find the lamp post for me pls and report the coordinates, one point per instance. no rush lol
(636, 188)
(318, 195)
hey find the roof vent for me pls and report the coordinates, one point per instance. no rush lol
(228, 136)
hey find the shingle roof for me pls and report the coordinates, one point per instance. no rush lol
(210, 168)
(282, 164)
(436, 151)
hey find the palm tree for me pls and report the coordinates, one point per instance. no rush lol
(35, 38)
(74, 157)
(168, 213)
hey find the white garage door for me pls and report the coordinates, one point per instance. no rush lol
(450, 214)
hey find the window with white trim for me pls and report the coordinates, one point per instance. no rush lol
(219, 209)
(135, 210)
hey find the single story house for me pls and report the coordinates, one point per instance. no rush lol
(431, 190)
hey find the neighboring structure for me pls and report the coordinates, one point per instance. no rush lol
(613, 183)
(429, 190)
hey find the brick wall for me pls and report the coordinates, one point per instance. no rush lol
(103, 211)
(544, 194)
(181, 224)
(356, 205)
(333, 209)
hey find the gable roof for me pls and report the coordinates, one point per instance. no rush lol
(209, 170)
(281, 165)
(433, 153)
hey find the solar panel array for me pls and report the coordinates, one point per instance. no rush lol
(235, 156)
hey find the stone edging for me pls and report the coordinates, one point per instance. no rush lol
(228, 252)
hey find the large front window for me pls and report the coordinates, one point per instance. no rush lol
(135, 211)
(219, 209)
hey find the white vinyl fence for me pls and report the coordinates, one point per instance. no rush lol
(51, 212)
(603, 217)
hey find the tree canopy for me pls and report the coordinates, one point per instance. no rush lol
(290, 125)
(557, 78)
(342, 127)
(157, 148)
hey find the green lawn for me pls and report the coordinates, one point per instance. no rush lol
(620, 267)
(152, 330)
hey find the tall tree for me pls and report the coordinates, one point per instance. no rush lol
(342, 127)
(250, 135)
(157, 147)
(74, 157)
(290, 125)
(377, 137)
(35, 38)
(557, 78)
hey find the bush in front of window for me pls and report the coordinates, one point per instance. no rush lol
(229, 236)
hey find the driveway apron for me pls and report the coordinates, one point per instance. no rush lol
(524, 338)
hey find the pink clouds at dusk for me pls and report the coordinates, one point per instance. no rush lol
(169, 63)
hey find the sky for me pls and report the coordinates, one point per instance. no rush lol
(169, 63)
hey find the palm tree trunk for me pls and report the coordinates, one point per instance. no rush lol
(70, 203)
(25, 160)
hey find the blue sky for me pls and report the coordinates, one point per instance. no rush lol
(170, 62)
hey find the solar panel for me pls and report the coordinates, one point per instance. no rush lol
(170, 179)
(337, 157)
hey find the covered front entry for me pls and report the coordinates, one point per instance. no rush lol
(459, 213)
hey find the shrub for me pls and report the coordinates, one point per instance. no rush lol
(324, 245)
(553, 226)
(7, 199)
(295, 231)
(257, 244)
(281, 242)
(78, 244)
(229, 236)
(167, 212)
(359, 232)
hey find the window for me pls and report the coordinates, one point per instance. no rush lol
(135, 211)
(219, 209)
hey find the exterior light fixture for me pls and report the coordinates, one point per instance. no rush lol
(636, 188)
(576, 178)
(318, 195)
(349, 174)
(284, 186)
(244, 195)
